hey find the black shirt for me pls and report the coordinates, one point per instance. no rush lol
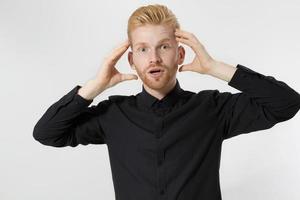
(168, 148)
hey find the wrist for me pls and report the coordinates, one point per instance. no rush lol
(91, 89)
(222, 70)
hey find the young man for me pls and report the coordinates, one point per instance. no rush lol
(165, 142)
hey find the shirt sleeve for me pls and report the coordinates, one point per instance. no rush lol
(262, 102)
(69, 122)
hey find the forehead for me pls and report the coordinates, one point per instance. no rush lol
(151, 34)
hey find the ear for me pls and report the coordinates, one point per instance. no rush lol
(130, 60)
(181, 55)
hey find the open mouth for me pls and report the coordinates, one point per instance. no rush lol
(156, 72)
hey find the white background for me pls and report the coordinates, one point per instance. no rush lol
(48, 47)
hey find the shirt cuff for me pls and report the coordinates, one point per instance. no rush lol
(239, 77)
(79, 99)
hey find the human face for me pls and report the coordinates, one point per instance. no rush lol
(155, 46)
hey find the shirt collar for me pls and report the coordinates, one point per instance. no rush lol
(146, 99)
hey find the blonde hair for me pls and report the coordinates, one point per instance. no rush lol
(155, 14)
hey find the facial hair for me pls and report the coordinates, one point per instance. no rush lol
(159, 82)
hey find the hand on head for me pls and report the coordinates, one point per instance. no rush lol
(108, 75)
(202, 62)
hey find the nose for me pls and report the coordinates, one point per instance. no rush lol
(154, 57)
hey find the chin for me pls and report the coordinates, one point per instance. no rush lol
(156, 83)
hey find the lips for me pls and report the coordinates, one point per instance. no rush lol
(156, 70)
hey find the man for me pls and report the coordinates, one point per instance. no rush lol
(165, 142)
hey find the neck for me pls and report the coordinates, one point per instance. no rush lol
(161, 93)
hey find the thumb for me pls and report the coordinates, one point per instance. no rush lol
(129, 76)
(186, 67)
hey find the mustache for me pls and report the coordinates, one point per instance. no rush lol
(155, 65)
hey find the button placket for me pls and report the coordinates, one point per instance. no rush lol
(159, 130)
(160, 160)
(160, 157)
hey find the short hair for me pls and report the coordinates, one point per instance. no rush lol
(154, 14)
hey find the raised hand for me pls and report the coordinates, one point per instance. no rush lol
(108, 75)
(202, 62)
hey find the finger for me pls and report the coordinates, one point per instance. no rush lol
(186, 67)
(182, 33)
(188, 36)
(121, 48)
(119, 51)
(129, 77)
(197, 47)
(121, 45)
(184, 41)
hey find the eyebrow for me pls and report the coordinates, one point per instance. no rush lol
(162, 40)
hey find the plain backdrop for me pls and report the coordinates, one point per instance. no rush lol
(48, 47)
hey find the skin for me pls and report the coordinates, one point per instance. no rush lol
(156, 55)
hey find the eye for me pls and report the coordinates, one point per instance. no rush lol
(165, 45)
(142, 49)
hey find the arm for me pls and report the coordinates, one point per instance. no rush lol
(222, 71)
(263, 102)
(69, 122)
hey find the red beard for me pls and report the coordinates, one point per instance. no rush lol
(155, 82)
